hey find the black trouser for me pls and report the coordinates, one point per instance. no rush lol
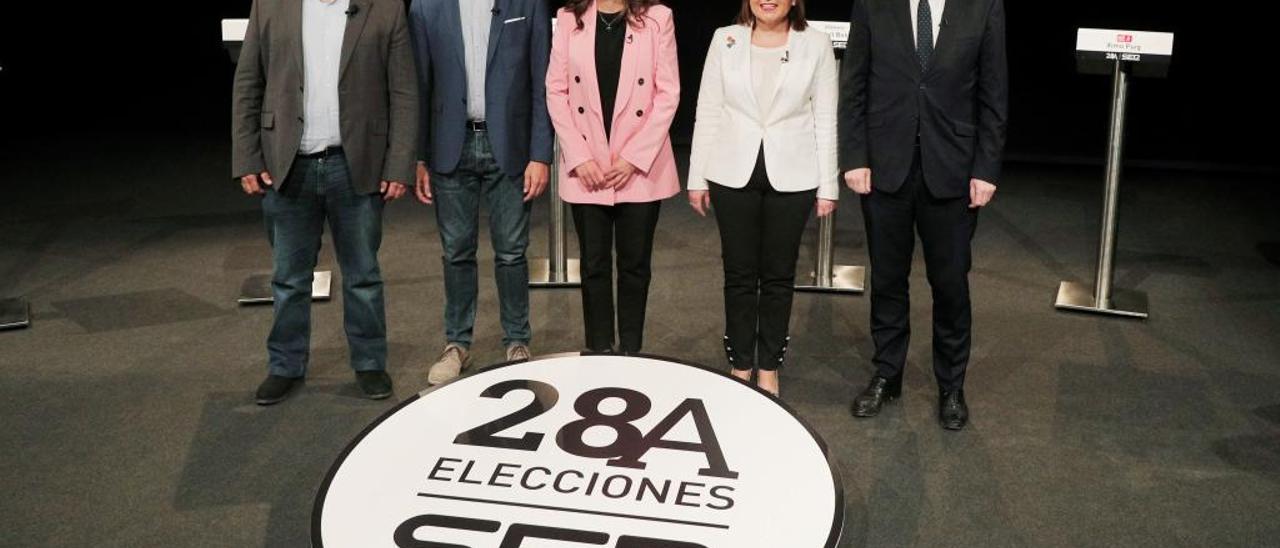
(631, 228)
(946, 228)
(760, 233)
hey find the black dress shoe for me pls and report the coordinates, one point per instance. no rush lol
(879, 391)
(953, 412)
(376, 385)
(275, 389)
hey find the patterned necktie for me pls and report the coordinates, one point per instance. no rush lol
(924, 33)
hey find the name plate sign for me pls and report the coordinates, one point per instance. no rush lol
(839, 32)
(1149, 53)
(233, 30)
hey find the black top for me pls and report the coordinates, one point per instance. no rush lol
(609, 44)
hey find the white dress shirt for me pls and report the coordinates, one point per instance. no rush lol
(935, 7)
(477, 18)
(323, 27)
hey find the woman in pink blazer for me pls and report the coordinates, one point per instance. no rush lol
(612, 89)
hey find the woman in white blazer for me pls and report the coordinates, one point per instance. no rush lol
(764, 151)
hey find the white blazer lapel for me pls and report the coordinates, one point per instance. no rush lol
(738, 61)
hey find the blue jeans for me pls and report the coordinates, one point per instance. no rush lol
(458, 196)
(320, 190)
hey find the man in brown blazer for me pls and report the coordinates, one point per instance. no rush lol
(324, 128)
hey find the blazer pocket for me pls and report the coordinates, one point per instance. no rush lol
(268, 120)
(964, 129)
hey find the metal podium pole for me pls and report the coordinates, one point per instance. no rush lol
(557, 270)
(1104, 299)
(14, 314)
(828, 277)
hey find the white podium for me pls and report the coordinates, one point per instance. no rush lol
(827, 276)
(557, 270)
(1122, 54)
(256, 290)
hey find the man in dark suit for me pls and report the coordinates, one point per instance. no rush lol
(487, 137)
(923, 110)
(324, 127)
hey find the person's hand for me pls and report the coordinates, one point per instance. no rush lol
(619, 175)
(256, 185)
(536, 176)
(423, 185)
(980, 193)
(392, 190)
(700, 201)
(826, 207)
(590, 175)
(858, 180)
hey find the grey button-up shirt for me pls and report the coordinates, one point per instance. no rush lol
(323, 27)
(477, 17)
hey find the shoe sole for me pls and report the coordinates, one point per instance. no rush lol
(267, 402)
(378, 396)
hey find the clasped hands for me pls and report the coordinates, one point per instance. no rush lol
(594, 179)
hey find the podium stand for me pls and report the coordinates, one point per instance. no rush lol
(256, 290)
(233, 31)
(1123, 54)
(14, 314)
(557, 270)
(828, 277)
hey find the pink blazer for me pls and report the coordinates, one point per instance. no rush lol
(648, 94)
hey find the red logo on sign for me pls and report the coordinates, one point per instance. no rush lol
(1124, 38)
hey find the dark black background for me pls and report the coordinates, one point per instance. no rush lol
(114, 68)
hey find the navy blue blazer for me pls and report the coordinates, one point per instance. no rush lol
(515, 83)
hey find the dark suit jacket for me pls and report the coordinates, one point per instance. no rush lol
(515, 83)
(378, 94)
(958, 103)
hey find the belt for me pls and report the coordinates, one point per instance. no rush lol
(477, 125)
(331, 151)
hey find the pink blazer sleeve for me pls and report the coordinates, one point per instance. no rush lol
(643, 148)
(576, 152)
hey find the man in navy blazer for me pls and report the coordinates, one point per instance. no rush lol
(482, 66)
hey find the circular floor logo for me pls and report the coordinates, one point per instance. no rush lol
(620, 452)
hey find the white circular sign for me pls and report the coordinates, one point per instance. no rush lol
(620, 452)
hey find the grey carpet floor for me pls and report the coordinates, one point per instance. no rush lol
(128, 419)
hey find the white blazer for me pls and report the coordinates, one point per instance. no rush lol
(799, 135)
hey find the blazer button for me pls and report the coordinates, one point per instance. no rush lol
(584, 137)
(577, 79)
(642, 81)
(581, 110)
(639, 113)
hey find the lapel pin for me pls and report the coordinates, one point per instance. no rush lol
(731, 42)
(631, 38)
